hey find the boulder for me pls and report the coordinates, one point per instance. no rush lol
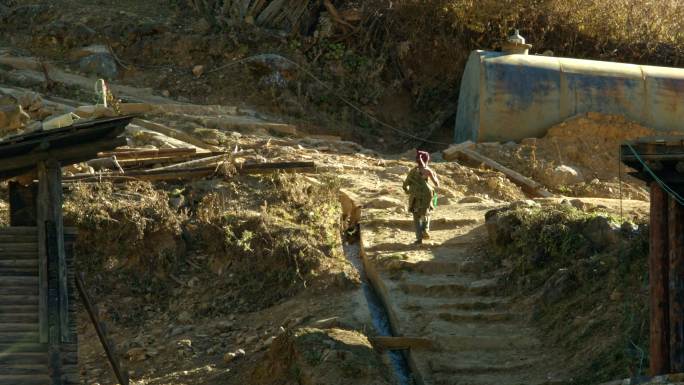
(565, 176)
(384, 202)
(500, 227)
(100, 64)
(601, 232)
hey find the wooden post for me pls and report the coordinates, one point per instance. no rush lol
(658, 267)
(54, 182)
(676, 285)
(41, 217)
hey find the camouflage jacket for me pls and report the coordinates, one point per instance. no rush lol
(420, 191)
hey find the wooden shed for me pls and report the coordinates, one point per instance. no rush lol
(38, 338)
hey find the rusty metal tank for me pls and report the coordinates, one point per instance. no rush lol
(515, 96)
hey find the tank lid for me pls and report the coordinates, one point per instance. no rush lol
(515, 44)
(516, 38)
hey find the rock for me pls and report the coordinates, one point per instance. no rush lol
(500, 227)
(396, 170)
(251, 339)
(529, 141)
(383, 202)
(229, 357)
(558, 286)
(224, 326)
(166, 93)
(524, 204)
(198, 70)
(136, 354)
(100, 64)
(184, 344)
(601, 232)
(471, 199)
(581, 205)
(629, 227)
(185, 317)
(565, 176)
(12, 118)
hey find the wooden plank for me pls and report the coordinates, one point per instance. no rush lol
(528, 185)
(192, 173)
(676, 285)
(109, 350)
(139, 162)
(41, 218)
(193, 163)
(401, 343)
(19, 164)
(658, 268)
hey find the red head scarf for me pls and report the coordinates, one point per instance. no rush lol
(422, 157)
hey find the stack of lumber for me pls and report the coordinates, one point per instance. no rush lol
(176, 164)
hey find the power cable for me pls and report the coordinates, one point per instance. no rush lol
(330, 89)
(660, 182)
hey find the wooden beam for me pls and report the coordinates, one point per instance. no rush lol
(121, 375)
(401, 343)
(658, 267)
(22, 163)
(191, 173)
(528, 185)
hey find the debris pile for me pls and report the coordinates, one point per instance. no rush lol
(578, 157)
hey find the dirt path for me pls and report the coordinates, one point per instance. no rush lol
(441, 291)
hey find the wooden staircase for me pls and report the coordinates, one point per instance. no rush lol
(23, 358)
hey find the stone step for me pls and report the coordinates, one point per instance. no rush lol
(18, 238)
(492, 379)
(21, 308)
(29, 299)
(19, 337)
(422, 304)
(25, 379)
(19, 230)
(25, 347)
(481, 362)
(19, 318)
(16, 263)
(18, 327)
(18, 247)
(11, 255)
(18, 272)
(18, 290)
(18, 281)
(477, 342)
(24, 369)
(447, 286)
(33, 358)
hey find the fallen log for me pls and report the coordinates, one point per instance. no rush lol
(526, 184)
(173, 133)
(132, 154)
(212, 160)
(190, 173)
(401, 343)
(150, 161)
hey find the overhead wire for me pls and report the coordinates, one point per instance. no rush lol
(333, 91)
(669, 190)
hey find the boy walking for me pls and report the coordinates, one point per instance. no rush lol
(419, 185)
